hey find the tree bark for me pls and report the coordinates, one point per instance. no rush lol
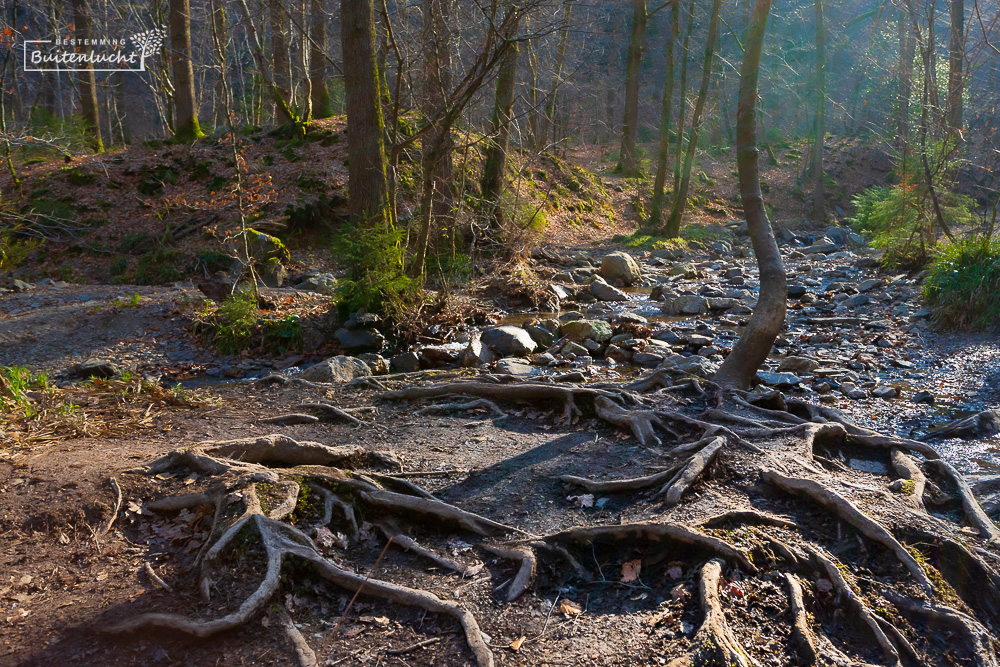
(956, 71)
(186, 127)
(819, 186)
(366, 181)
(88, 80)
(907, 47)
(628, 163)
(663, 153)
(673, 227)
(755, 343)
(322, 106)
(495, 162)
(682, 102)
(279, 61)
(546, 130)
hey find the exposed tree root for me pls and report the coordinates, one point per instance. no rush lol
(751, 517)
(478, 404)
(974, 512)
(525, 576)
(907, 469)
(116, 508)
(304, 655)
(692, 471)
(715, 643)
(620, 485)
(802, 635)
(935, 616)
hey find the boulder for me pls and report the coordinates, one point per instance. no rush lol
(321, 283)
(647, 359)
(798, 365)
(685, 269)
(579, 330)
(982, 425)
(407, 362)
(377, 364)
(336, 369)
(778, 379)
(620, 266)
(575, 349)
(540, 335)
(508, 340)
(605, 292)
(21, 286)
(96, 368)
(359, 340)
(544, 359)
(476, 354)
(512, 366)
(435, 356)
(824, 247)
(686, 304)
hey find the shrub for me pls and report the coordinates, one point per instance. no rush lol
(376, 281)
(963, 282)
(14, 250)
(236, 319)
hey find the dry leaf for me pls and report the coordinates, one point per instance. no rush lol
(678, 592)
(569, 608)
(630, 571)
(675, 572)
(586, 500)
(516, 644)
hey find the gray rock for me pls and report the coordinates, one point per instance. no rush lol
(618, 354)
(733, 273)
(561, 292)
(377, 364)
(838, 235)
(96, 368)
(924, 397)
(540, 335)
(513, 366)
(336, 369)
(605, 292)
(360, 320)
(856, 301)
(580, 330)
(778, 379)
(857, 239)
(508, 340)
(620, 266)
(360, 340)
(592, 345)
(476, 354)
(633, 318)
(798, 365)
(544, 359)
(434, 356)
(647, 359)
(575, 349)
(695, 365)
(21, 286)
(796, 289)
(885, 392)
(570, 316)
(869, 285)
(823, 247)
(685, 269)
(321, 283)
(687, 304)
(697, 340)
(407, 362)
(922, 314)
(272, 273)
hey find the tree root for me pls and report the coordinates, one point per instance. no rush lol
(619, 485)
(715, 643)
(907, 469)
(525, 576)
(478, 404)
(407, 543)
(802, 636)
(304, 655)
(974, 512)
(846, 510)
(640, 422)
(326, 412)
(114, 510)
(291, 418)
(692, 471)
(435, 508)
(749, 516)
(976, 638)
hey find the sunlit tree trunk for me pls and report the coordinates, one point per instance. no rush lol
(279, 61)
(322, 106)
(819, 186)
(907, 46)
(750, 351)
(956, 71)
(186, 127)
(88, 81)
(628, 163)
(663, 152)
(495, 162)
(682, 100)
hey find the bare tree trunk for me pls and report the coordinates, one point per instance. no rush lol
(88, 81)
(220, 29)
(550, 104)
(628, 163)
(279, 61)
(907, 46)
(663, 154)
(366, 181)
(495, 162)
(750, 351)
(819, 186)
(682, 102)
(186, 127)
(322, 107)
(680, 196)
(956, 71)
(534, 98)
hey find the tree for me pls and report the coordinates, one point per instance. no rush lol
(907, 47)
(322, 106)
(673, 226)
(750, 351)
(956, 70)
(663, 152)
(495, 160)
(544, 133)
(88, 81)
(682, 101)
(819, 186)
(280, 62)
(628, 164)
(186, 127)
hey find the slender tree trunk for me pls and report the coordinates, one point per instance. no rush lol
(628, 163)
(907, 46)
(956, 71)
(682, 101)
(279, 61)
(819, 186)
(366, 180)
(550, 104)
(88, 80)
(495, 162)
(663, 154)
(750, 351)
(220, 28)
(322, 107)
(680, 197)
(186, 127)
(534, 98)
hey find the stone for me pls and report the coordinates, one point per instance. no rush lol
(885, 392)
(476, 354)
(377, 364)
(618, 354)
(697, 340)
(687, 304)
(922, 314)
(685, 269)
(21, 286)
(798, 365)
(262, 247)
(361, 320)
(694, 365)
(822, 248)
(561, 292)
(722, 303)
(852, 391)
(336, 369)
(321, 283)
(580, 330)
(434, 356)
(272, 273)
(869, 285)
(982, 425)
(838, 235)
(407, 362)
(796, 289)
(925, 397)
(544, 359)
(570, 316)
(508, 340)
(772, 379)
(647, 359)
(540, 335)
(857, 239)
(605, 292)
(359, 340)
(514, 366)
(575, 349)
(96, 368)
(732, 273)
(620, 266)
(632, 318)
(592, 345)
(857, 300)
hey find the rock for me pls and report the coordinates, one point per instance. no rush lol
(798, 365)
(434, 356)
(605, 292)
(736, 272)
(685, 269)
(96, 368)
(922, 314)
(778, 379)
(656, 294)
(580, 330)
(869, 285)
(823, 247)
(632, 318)
(561, 292)
(796, 289)
(575, 349)
(723, 303)
(377, 364)
(570, 316)
(697, 340)
(856, 301)
(321, 283)
(362, 320)
(476, 354)
(513, 366)
(508, 340)
(272, 273)
(620, 266)
(687, 304)
(857, 239)
(21, 286)
(695, 365)
(407, 362)
(45, 282)
(618, 354)
(982, 425)
(852, 391)
(359, 340)
(592, 345)
(885, 392)
(336, 369)
(540, 335)
(671, 254)
(544, 359)
(647, 359)
(838, 235)
(925, 397)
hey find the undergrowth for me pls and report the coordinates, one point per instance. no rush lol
(963, 282)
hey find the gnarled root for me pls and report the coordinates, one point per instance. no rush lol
(478, 404)
(715, 643)
(974, 512)
(695, 467)
(640, 422)
(907, 469)
(802, 636)
(525, 576)
(975, 638)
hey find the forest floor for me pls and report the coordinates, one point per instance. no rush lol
(64, 570)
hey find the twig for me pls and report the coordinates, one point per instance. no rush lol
(356, 594)
(118, 505)
(155, 578)
(413, 647)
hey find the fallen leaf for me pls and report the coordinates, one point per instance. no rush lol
(734, 589)
(678, 592)
(586, 500)
(569, 608)
(630, 571)
(516, 644)
(675, 572)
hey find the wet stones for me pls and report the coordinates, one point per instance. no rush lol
(772, 379)
(620, 266)
(508, 340)
(580, 330)
(686, 304)
(684, 269)
(605, 292)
